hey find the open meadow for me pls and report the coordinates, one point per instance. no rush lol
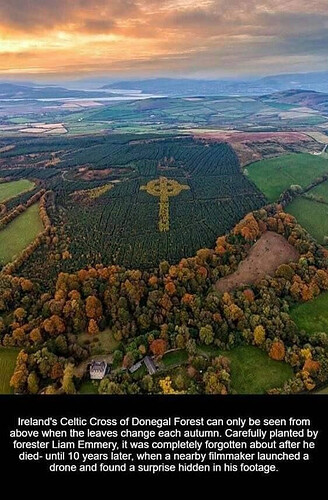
(312, 215)
(252, 371)
(312, 316)
(10, 189)
(7, 364)
(275, 175)
(19, 233)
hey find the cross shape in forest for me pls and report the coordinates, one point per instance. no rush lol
(164, 188)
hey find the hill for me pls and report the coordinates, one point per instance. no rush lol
(185, 86)
(305, 98)
(18, 91)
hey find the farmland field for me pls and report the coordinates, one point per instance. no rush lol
(15, 237)
(320, 192)
(252, 371)
(275, 175)
(7, 364)
(312, 215)
(10, 189)
(312, 316)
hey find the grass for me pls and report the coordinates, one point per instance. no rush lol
(320, 191)
(174, 358)
(7, 365)
(312, 215)
(19, 120)
(9, 190)
(104, 345)
(280, 105)
(323, 391)
(275, 175)
(312, 316)
(88, 387)
(140, 373)
(19, 233)
(252, 371)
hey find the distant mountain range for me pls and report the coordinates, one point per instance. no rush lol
(190, 87)
(170, 87)
(36, 91)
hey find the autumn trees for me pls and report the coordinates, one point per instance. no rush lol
(172, 307)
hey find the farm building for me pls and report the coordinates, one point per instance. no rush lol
(98, 370)
(149, 364)
(135, 367)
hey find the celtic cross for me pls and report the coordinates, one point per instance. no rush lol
(164, 188)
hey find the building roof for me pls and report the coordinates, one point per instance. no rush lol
(150, 365)
(98, 369)
(135, 367)
(98, 365)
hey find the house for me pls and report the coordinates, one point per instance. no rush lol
(150, 365)
(98, 370)
(135, 367)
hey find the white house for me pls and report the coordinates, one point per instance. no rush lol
(98, 370)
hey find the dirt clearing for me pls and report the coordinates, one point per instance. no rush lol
(268, 253)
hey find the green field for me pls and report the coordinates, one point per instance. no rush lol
(312, 215)
(320, 192)
(19, 233)
(312, 316)
(323, 391)
(7, 364)
(10, 189)
(174, 358)
(88, 387)
(275, 175)
(252, 371)
(102, 343)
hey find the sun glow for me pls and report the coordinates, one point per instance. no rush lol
(141, 36)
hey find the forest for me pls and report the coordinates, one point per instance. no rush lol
(104, 214)
(137, 237)
(173, 307)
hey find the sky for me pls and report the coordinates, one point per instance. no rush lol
(68, 39)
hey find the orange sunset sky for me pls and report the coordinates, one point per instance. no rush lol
(204, 38)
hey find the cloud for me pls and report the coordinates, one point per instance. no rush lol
(39, 15)
(207, 36)
(99, 26)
